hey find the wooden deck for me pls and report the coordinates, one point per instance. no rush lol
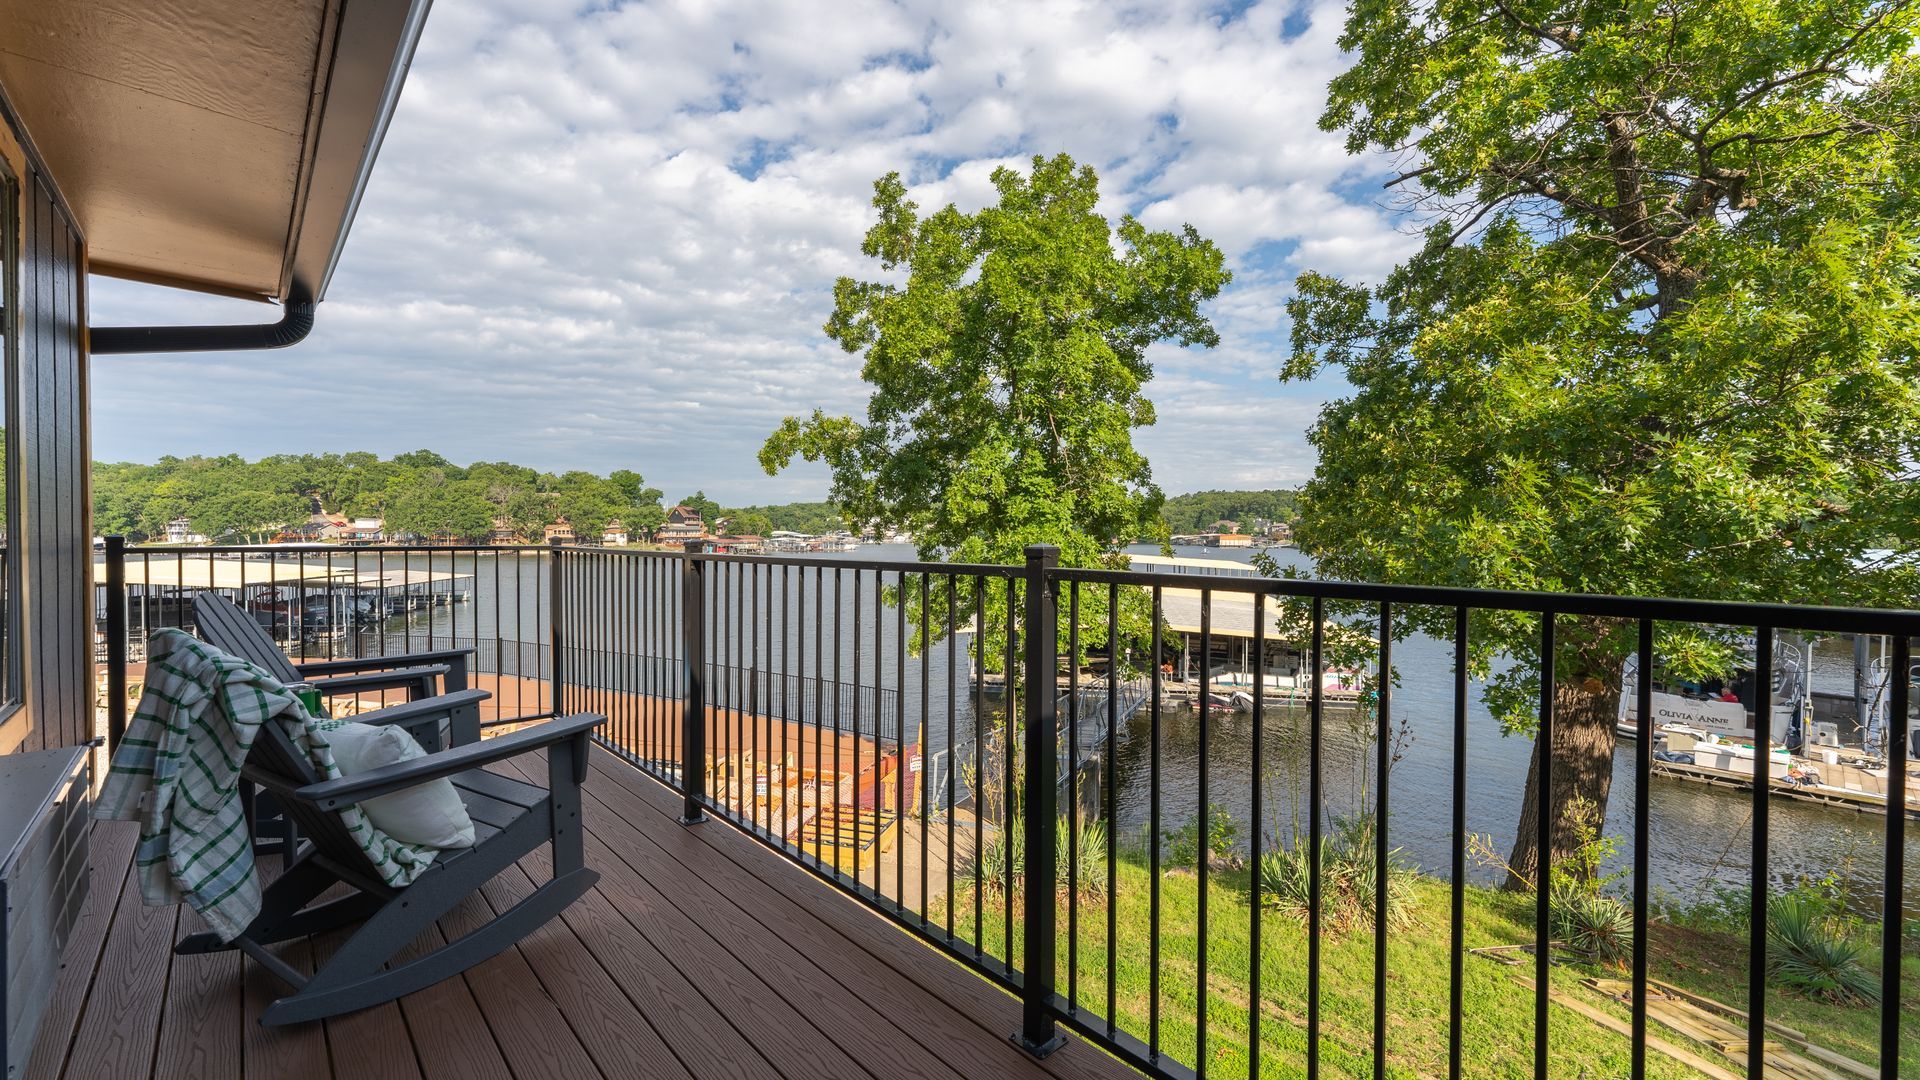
(699, 954)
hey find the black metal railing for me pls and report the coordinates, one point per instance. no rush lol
(1070, 855)
(329, 603)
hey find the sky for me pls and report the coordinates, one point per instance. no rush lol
(606, 236)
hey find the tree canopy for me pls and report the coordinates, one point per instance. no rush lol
(1007, 355)
(1661, 338)
(418, 493)
(1197, 511)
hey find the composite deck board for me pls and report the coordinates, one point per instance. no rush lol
(886, 949)
(376, 1040)
(907, 1005)
(450, 1037)
(838, 1011)
(110, 856)
(200, 1026)
(699, 953)
(122, 1019)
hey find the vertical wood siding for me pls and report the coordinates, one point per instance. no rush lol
(49, 452)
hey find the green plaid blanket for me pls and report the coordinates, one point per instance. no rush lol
(177, 772)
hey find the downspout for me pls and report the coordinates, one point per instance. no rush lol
(296, 320)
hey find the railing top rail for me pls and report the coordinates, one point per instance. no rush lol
(295, 550)
(1736, 613)
(908, 566)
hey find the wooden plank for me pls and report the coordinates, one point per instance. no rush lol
(685, 1020)
(371, 1043)
(122, 1018)
(770, 1022)
(867, 1034)
(111, 858)
(920, 1020)
(200, 1032)
(294, 1052)
(450, 1037)
(533, 1035)
(608, 1025)
(1620, 1027)
(993, 1010)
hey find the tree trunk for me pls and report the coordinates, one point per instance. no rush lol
(1584, 712)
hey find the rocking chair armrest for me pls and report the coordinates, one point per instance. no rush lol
(335, 794)
(389, 679)
(455, 659)
(409, 714)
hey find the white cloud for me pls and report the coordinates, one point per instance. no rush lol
(608, 239)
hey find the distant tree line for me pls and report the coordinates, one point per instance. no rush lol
(418, 493)
(415, 494)
(1198, 511)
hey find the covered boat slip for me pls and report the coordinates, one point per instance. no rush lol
(296, 599)
(699, 954)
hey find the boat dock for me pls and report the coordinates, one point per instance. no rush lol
(1853, 785)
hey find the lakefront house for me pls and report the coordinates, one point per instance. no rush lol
(733, 814)
(683, 524)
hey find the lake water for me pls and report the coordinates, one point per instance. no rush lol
(1700, 836)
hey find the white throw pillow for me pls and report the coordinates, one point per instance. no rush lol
(429, 813)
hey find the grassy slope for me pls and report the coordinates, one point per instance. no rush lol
(1498, 1017)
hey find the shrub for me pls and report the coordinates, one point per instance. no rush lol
(1285, 883)
(1003, 856)
(1808, 951)
(1223, 837)
(1091, 865)
(1002, 860)
(1348, 879)
(1591, 923)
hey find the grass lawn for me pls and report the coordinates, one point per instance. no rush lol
(1498, 1017)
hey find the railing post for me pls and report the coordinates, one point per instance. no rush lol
(693, 706)
(1039, 796)
(556, 612)
(116, 641)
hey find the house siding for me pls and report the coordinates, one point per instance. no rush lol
(49, 451)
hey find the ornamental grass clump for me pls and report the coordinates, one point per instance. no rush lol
(1813, 952)
(1349, 879)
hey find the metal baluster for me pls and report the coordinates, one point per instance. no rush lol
(926, 691)
(1762, 789)
(1153, 844)
(1037, 1031)
(1543, 846)
(693, 712)
(1073, 796)
(1009, 749)
(1204, 705)
(1456, 995)
(1383, 761)
(1893, 911)
(1642, 809)
(1259, 673)
(1315, 713)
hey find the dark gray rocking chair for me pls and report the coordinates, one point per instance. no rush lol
(510, 820)
(226, 627)
(222, 624)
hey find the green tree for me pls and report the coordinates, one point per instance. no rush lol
(698, 502)
(748, 523)
(1008, 370)
(1661, 337)
(1196, 512)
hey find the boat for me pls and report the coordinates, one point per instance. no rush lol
(1703, 735)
